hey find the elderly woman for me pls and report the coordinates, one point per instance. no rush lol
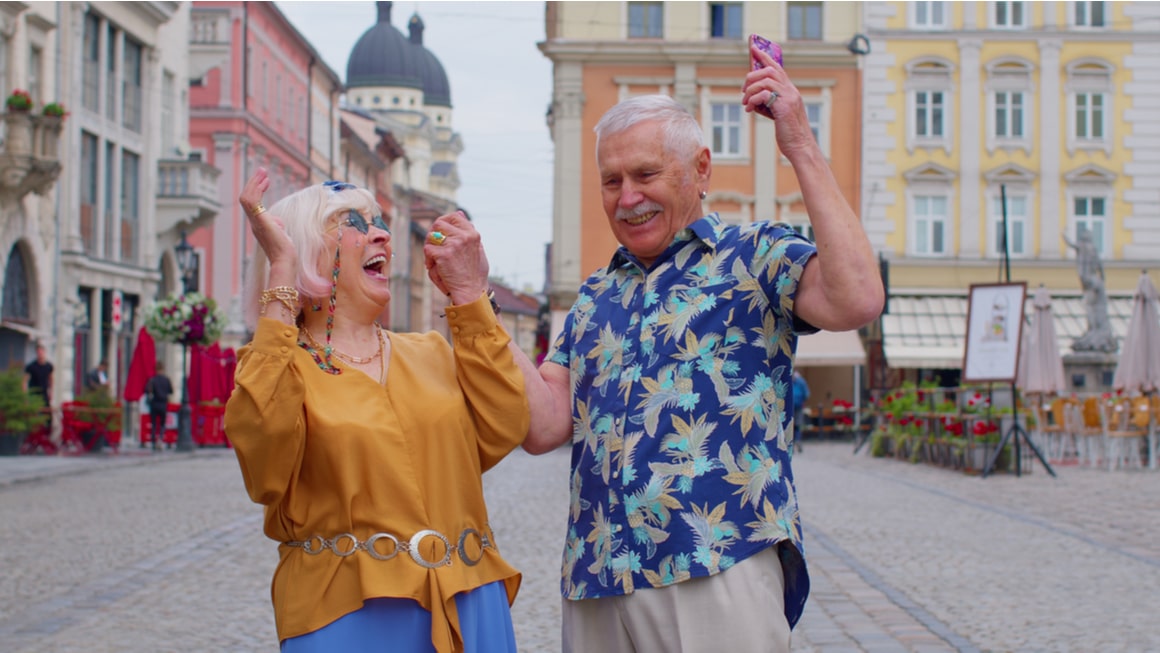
(366, 446)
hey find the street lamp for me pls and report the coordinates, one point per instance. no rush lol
(186, 265)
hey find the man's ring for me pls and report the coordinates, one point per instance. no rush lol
(436, 238)
(258, 210)
(773, 95)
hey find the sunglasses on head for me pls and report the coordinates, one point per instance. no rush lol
(356, 220)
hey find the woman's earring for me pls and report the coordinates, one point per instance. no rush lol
(316, 306)
(704, 194)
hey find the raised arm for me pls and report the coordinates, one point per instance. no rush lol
(840, 288)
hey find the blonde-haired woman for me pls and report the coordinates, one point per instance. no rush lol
(367, 446)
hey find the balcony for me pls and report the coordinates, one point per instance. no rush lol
(30, 159)
(187, 195)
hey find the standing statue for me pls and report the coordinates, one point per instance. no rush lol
(1098, 336)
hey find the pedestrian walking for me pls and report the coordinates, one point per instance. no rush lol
(38, 376)
(158, 389)
(671, 379)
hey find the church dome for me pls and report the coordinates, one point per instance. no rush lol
(384, 57)
(436, 89)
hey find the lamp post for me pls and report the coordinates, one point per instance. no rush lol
(185, 263)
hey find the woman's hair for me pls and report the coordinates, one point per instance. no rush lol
(305, 215)
(683, 136)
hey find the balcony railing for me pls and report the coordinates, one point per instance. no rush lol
(30, 159)
(187, 194)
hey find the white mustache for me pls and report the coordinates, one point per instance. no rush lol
(638, 210)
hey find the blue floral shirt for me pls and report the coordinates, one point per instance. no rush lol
(681, 376)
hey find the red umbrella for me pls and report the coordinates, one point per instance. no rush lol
(141, 366)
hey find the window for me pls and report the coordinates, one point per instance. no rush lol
(1009, 115)
(814, 116)
(88, 176)
(1091, 215)
(35, 63)
(132, 85)
(1089, 14)
(17, 304)
(928, 114)
(1089, 116)
(168, 110)
(1089, 94)
(929, 223)
(108, 217)
(928, 15)
(111, 72)
(928, 101)
(1009, 14)
(725, 20)
(725, 129)
(3, 65)
(91, 55)
(1016, 224)
(1009, 90)
(130, 203)
(804, 21)
(645, 20)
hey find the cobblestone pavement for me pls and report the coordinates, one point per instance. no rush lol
(157, 553)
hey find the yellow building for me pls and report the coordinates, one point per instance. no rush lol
(1050, 110)
(696, 52)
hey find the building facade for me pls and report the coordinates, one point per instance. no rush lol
(98, 246)
(1047, 113)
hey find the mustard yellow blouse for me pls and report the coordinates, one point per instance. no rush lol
(332, 454)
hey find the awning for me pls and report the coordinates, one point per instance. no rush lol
(830, 349)
(929, 330)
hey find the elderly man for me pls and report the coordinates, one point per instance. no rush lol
(671, 378)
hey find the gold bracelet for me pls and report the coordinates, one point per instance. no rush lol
(285, 295)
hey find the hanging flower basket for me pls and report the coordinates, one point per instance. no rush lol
(189, 319)
(19, 101)
(54, 110)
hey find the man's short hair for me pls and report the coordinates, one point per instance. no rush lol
(683, 135)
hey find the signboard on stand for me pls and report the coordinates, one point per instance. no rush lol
(994, 332)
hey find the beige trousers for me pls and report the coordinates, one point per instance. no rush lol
(737, 611)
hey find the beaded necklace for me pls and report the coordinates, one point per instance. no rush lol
(357, 360)
(323, 360)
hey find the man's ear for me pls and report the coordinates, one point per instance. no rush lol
(704, 166)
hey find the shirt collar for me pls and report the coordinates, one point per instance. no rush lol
(707, 230)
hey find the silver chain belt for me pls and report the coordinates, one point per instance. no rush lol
(347, 544)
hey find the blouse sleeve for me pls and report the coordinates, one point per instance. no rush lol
(491, 381)
(263, 418)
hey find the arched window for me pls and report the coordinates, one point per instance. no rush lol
(17, 299)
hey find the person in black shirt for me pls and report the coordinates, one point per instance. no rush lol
(38, 376)
(157, 390)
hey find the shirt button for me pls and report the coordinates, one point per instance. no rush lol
(285, 349)
(287, 334)
(455, 329)
(453, 314)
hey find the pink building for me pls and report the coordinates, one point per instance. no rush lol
(260, 96)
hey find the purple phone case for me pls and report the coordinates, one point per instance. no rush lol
(766, 46)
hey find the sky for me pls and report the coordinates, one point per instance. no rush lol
(501, 86)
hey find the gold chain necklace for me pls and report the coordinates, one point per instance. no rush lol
(357, 360)
(382, 359)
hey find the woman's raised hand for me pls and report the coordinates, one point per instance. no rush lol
(267, 228)
(456, 262)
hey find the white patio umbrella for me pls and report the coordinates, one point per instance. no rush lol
(1041, 366)
(1139, 366)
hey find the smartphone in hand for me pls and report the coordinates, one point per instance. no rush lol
(770, 48)
(766, 46)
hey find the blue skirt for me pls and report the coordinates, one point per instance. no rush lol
(388, 624)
